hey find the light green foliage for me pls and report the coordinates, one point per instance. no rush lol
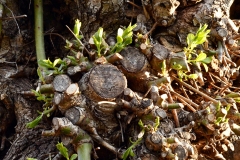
(183, 75)
(129, 151)
(124, 38)
(56, 67)
(35, 122)
(64, 151)
(98, 40)
(47, 98)
(32, 159)
(234, 95)
(76, 29)
(193, 41)
(76, 44)
(157, 124)
(144, 128)
(164, 68)
(41, 78)
(199, 38)
(222, 118)
(192, 56)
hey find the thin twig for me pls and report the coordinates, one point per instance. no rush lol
(225, 50)
(213, 75)
(224, 88)
(16, 17)
(195, 90)
(185, 99)
(151, 30)
(174, 111)
(184, 91)
(185, 103)
(78, 40)
(19, 31)
(133, 4)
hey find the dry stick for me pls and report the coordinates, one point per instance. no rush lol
(188, 105)
(184, 91)
(186, 100)
(195, 85)
(230, 61)
(224, 88)
(174, 111)
(195, 90)
(225, 50)
(133, 4)
(151, 30)
(7, 18)
(213, 75)
(236, 37)
(19, 31)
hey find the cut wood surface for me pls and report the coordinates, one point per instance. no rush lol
(125, 102)
(103, 82)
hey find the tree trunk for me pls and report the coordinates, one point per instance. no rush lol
(102, 82)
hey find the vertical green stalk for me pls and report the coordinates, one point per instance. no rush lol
(84, 151)
(39, 38)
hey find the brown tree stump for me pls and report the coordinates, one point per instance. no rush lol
(103, 82)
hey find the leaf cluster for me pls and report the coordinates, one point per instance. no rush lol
(35, 122)
(194, 58)
(75, 45)
(129, 151)
(53, 68)
(98, 39)
(199, 38)
(64, 151)
(124, 38)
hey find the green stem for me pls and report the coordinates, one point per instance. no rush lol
(84, 151)
(39, 38)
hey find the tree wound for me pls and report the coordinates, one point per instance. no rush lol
(61, 83)
(107, 81)
(133, 60)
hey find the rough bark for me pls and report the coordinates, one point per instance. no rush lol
(16, 110)
(24, 143)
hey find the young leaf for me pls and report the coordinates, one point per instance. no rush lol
(131, 153)
(76, 29)
(207, 60)
(190, 38)
(205, 67)
(119, 35)
(193, 76)
(201, 57)
(63, 150)
(57, 61)
(126, 153)
(46, 63)
(73, 156)
(39, 72)
(32, 159)
(34, 122)
(124, 38)
(97, 39)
